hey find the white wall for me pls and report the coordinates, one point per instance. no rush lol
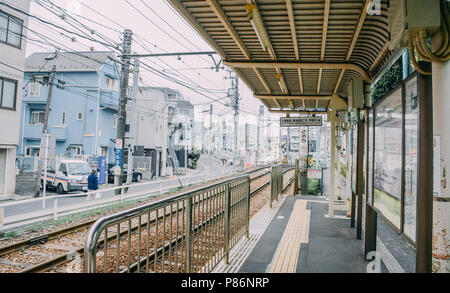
(441, 204)
(15, 57)
(151, 121)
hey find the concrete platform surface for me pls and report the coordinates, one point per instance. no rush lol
(300, 239)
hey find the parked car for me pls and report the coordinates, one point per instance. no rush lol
(137, 175)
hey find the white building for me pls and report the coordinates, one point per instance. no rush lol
(151, 127)
(12, 63)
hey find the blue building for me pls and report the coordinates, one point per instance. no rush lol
(84, 103)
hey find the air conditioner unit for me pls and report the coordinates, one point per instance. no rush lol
(355, 94)
(34, 90)
(406, 16)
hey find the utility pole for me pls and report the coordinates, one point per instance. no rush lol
(260, 118)
(132, 120)
(125, 73)
(49, 99)
(45, 134)
(210, 136)
(233, 94)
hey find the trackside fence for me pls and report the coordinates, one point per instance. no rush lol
(186, 233)
(276, 183)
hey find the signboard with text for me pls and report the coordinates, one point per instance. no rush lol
(300, 121)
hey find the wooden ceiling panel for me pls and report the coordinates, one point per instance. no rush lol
(296, 29)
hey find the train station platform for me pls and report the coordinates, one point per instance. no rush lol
(296, 236)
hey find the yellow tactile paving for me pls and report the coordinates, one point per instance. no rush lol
(296, 232)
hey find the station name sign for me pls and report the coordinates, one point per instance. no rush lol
(300, 121)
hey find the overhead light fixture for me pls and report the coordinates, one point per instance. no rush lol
(282, 83)
(258, 26)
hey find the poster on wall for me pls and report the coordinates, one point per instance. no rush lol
(411, 162)
(388, 156)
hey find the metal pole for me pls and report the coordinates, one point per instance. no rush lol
(44, 187)
(227, 224)
(332, 162)
(96, 118)
(127, 39)
(210, 136)
(424, 208)
(296, 177)
(189, 235)
(261, 113)
(359, 175)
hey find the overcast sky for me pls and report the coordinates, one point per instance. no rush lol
(146, 19)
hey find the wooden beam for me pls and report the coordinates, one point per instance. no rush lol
(226, 23)
(338, 83)
(196, 25)
(300, 80)
(263, 80)
(292, 97)
(265, 103)
(278, 104)
(326, 14)
(294, 65)
(319, 80)
(293, 29)
(380, 56)
(362, 17)
(294, 40)
(296, 111)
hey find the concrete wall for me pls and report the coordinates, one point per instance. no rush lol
(10, 119)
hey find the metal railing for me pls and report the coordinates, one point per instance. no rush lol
(35, 210)
(190, 232)
(276, 183)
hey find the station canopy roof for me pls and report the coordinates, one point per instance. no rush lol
(293, 54)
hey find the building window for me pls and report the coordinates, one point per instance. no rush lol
(10, 30)
(80, 116)
(37, 117)
(8, 92)
(63, 118)
(114, 120)
(34, 90)
(111, 84)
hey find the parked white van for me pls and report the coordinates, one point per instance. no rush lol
(68, 175)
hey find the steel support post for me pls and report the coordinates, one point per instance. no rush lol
(227, 224)
(332, 163)
(189, 235)
(359, 175)
(296, 177)
(424, 228)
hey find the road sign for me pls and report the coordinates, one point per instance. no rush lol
(300, 121)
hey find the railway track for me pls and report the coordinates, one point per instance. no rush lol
(50, 252)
